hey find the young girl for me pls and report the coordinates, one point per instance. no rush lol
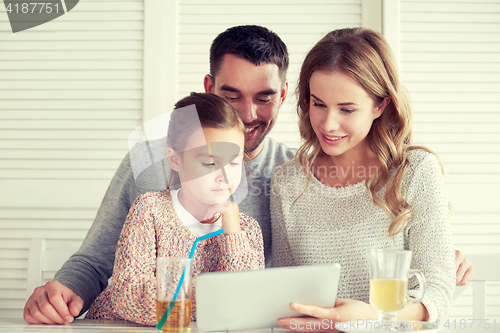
(205, 149)
(358, 183)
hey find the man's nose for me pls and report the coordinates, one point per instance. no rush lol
(248, 111)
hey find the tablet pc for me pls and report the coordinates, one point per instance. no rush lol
(257, 299)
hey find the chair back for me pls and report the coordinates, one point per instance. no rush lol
(486, 268)
(41, 259)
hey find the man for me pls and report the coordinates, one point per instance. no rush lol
(248, 67)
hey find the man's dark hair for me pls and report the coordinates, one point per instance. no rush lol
(250, 42)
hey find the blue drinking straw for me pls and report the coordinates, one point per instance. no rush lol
(191, 254)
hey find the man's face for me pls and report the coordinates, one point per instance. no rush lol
(256, 92)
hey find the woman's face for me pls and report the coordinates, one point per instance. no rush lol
(341, 113)
(210, 166)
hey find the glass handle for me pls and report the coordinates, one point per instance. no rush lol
(421, 283)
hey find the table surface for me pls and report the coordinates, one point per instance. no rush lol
(93, 326)
(102, 326)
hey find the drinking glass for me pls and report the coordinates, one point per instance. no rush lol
(389, 273)
(169, 271)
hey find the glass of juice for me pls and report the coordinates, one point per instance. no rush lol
(389, 273)
(172, 299)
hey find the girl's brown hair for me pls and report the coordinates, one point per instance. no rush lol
(365, 56)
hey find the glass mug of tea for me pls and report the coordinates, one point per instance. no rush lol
(173, 301)
(389, 273)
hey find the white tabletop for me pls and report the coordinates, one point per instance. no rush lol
(92, 326)
(103, 326)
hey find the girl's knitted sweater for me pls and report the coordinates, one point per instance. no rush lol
(152, 230)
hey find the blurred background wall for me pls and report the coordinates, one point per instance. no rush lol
(71, 91)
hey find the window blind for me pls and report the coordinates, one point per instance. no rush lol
(70, 93)
(449, 64)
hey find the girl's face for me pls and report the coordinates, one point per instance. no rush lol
(341, 113)
(210, 166)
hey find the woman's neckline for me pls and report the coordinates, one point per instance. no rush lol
(339, 188)
(351, 175)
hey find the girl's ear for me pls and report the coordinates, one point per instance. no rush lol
(381, 107)
(173, 159)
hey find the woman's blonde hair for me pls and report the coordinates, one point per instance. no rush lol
(365, 56)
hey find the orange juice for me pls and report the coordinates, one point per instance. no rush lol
(179, 319)
(388, 294)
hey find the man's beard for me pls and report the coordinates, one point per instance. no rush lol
(260, 139)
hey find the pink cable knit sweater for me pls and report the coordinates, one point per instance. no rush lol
(152, 230)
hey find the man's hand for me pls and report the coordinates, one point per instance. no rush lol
(51, 304)
(464, 268)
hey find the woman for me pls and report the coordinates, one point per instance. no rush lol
(358, 183)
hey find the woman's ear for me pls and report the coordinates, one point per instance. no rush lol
(173, 159)
(381, 107)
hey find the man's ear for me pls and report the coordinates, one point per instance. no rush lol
(173, 159)
(284, 93)
(208, 83)
(381, 107)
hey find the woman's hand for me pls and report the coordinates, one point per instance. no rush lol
(230, 216)
(324, 319)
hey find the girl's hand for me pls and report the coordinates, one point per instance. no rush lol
(230, 216)
(324, 319)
